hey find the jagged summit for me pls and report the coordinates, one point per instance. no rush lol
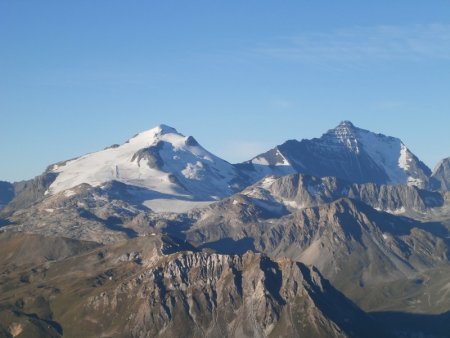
(346, 123)
(346, 152)
(345, 133)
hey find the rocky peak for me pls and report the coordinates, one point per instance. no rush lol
(186, 293)
(441, 175)
(347, 152)
(344, 134)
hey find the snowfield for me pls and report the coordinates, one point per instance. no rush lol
(161, 160)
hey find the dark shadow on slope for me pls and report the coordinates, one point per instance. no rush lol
(431, 199)
(397, 224)
(273, 280)
(173, 245)
(403, 324)
(5, 222)
(32, 324)
(341, 310)
(55, 325)
(435, 228)
(229, 246)
(112, 223)
(177, 228)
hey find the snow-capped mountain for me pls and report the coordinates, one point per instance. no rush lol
(346, 152)
(167, 171)
(161, 162)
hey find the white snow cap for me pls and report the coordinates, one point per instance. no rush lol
(160, 159)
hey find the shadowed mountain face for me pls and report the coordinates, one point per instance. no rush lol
(346, 152)
(441, 175)
(6, 193)
(152, 286)
(29, 192)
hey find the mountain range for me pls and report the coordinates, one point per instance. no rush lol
(163, 167)
(329, 237)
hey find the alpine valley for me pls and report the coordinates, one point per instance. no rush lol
(346, 235)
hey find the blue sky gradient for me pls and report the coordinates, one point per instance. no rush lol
(240, 76)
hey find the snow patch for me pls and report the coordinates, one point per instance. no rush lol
(292, 204)
(387, 153)
(267, 182)
(194, 171)
(69, 193)
(284, 160)
(417, 182)
(175, 206)
(404, 159)
(260, 160)
(398, 211)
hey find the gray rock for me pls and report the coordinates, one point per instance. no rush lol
(29, 192)
(441, 175)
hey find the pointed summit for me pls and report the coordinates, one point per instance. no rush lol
(441, 175)
(346, 152)
(165, 129)
(346, 124)
(343, 134)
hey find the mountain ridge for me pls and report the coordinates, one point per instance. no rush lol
(345, 152)
(176, 172)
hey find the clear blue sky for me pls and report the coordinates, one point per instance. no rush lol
(240, 76)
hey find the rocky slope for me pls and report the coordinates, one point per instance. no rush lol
(154, 286)
(354, 245)
(26, 193)
(298, 191)
(86, 213)
(441, 175)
